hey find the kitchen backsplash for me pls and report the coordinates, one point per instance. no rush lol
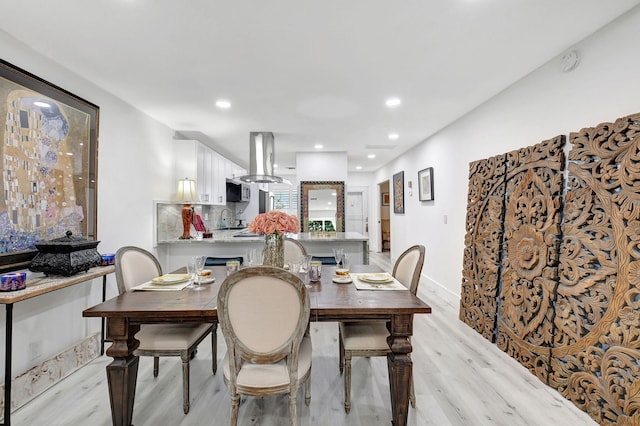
(169, 218)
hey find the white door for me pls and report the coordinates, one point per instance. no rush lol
(355, 217)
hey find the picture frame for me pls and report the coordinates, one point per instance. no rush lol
(398, 192)
(425, 184)
(49, 165)
(310, 191)
(385, 199)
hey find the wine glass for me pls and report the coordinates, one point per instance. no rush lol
(304, 263)
(191, 270)
(199, 265)
(337, 254)
(345, 261)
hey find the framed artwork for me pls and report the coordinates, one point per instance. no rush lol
(314, 196)
(398, 192)
(425, 184)
(385, 198)
(49, 165)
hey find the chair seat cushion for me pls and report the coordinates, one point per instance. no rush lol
(170, 336)
(364, 336)
(267, 376)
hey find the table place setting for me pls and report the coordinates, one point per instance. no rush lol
(167, 282)
(377, 281)
(342, 276)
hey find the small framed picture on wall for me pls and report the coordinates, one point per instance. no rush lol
(398, 193)
(385, 198)
(425, 184)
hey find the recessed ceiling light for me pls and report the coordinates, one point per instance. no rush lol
(223, 104)
(358, 167)
(393, 136)
(318, 146)
(371, 156)
(393, 102)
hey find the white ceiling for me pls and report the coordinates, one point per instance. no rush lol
(308, 71)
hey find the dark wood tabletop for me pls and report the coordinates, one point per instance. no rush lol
(329, 301)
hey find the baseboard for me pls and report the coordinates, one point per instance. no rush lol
(38, 379)
(430, 285)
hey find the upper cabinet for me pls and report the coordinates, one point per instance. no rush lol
(233, 171)
(194, 160)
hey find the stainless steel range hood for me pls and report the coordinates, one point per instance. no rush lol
(261, 158)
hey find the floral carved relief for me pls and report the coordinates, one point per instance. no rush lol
(478, 304)
(530, 253)
(568, 266)
(596, 355)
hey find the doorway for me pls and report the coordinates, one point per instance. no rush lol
(356, 217)
(385, 215)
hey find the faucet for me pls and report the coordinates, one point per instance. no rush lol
(223, 222)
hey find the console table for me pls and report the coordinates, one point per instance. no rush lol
(37, 285)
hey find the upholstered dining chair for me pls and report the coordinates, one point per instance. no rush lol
(135, 266)
(293, 251)
(370, 338)
(264, 316)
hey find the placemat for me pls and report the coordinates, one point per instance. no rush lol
(361, 285)
(162, 287)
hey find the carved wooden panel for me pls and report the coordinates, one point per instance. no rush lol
(478, 304)
(533, 201)
(596, 358)
(568, 306)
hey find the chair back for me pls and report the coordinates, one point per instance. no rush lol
(293, 251)
(263, 312)
(408, 267)
(221, 261)
(135, 266)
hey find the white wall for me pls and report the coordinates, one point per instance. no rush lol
(546, 103)
(134, 168)
(311, 166)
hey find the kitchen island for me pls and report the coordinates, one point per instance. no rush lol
(173, 253)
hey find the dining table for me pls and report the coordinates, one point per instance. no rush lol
(330, 301)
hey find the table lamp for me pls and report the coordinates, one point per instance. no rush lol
(187, 194)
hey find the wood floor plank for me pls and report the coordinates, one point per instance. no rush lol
(460, 379)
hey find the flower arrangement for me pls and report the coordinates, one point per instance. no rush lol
(274, 222)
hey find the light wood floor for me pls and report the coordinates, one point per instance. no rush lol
(460, 379)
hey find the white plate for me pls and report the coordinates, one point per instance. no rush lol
(207, 280)
(376, 278)
(170, 279)
(339, 279)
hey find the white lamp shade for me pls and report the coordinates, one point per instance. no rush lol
(187, 191)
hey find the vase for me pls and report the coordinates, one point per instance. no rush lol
(273, 254)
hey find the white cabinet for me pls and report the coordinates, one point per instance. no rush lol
(219, 186)
(233, 171)
(194, 160)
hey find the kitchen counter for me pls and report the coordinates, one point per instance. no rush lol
(174, 253)
(235, 235)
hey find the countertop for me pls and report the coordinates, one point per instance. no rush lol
(228, 236)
